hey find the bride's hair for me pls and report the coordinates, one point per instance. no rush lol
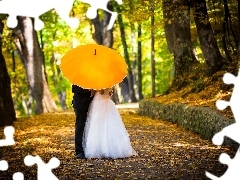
(105, 91)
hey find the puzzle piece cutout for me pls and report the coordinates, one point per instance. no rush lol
(234, 100)
(35, 8)
(18, 176)
(3, 165)
(8, 132)
(231, 131)
(101, 4)
(44, 170)
(233, 167)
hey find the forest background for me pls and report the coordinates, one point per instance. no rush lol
(167, 45)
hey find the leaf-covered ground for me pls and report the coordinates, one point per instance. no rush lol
(166, 151)
(200, 90)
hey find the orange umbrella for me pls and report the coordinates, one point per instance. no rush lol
(93, 66)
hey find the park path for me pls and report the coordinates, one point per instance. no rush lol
(165, 150)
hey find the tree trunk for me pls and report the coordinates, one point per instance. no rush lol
(211, 53)
(125, 90)
(134, 50)
(238, 38)
(98, 29)
(184, 57)
(134, 58)
(126, 55)
(29, 48)
(225, 38)
(153, 73)
(14, 80)
(41, 44)
(7, 112)
(27, 103)
(140, 62)
(168, 17)
(102, 36)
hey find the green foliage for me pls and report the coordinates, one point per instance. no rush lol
(18, 82)
(62, 85)
(218, 16)
(57, 38)
(163, 59)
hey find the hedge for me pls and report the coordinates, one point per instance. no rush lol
(201, 120)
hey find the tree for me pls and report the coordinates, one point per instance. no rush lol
(27, 44)
(126, 55)
(226, 29)
(139, 61)
(168, 23)
(7, 112)
(180, 42)
(238, 37)
(213, 58)
(133, 48)
(153, 73)
(102, 35)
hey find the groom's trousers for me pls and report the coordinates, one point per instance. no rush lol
(81, 100)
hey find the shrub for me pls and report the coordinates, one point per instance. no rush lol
(202, 120)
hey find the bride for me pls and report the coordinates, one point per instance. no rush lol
(105, 135)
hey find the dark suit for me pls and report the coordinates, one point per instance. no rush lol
(81, 100)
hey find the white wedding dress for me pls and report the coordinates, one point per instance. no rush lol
(105, 135)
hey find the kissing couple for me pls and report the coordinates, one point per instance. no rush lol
(99, 129)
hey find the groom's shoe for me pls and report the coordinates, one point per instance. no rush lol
(80, 156)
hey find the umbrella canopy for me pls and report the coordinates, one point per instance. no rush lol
(93, 66)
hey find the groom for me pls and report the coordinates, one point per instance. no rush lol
(81, 101)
